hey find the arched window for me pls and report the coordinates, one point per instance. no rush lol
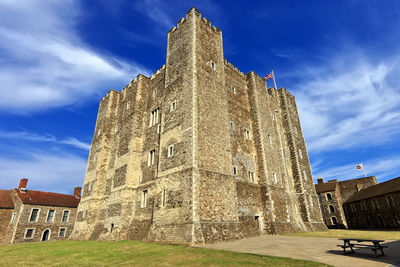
(331, 208)
(328, 196)
(334, 220)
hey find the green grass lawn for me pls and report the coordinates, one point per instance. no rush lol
(365, 234)
(95, 253)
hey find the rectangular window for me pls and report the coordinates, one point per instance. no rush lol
(173, 106)
(269, 139)
(128, 105)
(29, 233)
(230, 125)
(375, 204)
(274, 178)
(34, 215)
(353, 208)
(363, 206)
(233, 90)
(155, 91)
(390, 201)
(170, 151)
(247, 134)
(154, 117)
(213, 65)
(163, 198)
(251, 176)
(144, 198)
(13, 218)
(62, 232)
(234, 170)
(65, 216)
(152, 155)
(50, 216)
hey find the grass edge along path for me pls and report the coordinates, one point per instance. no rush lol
(131, 253)
(340, 233)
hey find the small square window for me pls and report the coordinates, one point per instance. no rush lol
(62, 232)
(170, 150)
(34, 215)
(29, 233)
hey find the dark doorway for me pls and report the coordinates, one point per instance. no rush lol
(257, 220)
(46, 235)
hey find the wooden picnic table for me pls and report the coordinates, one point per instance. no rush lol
(356, 243)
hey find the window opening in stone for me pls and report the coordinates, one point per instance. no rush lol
(29, 233)
(111, 228)
(328, 197)
(390, 201)
(375, 204)
(152, 155)
(170, 151)
(247, 134)
(251, 176)
(331, 209)
(234, 170)
(213, 65)
(61, 233)
(50, 216)
(173, 106)
(233, 89)
(144, 198)
(163, 198)
(334, 220)
(65, 216)
(274, 178)
(154, 117)
(269, 139)
(34, 215)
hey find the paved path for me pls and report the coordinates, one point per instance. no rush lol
(312, 248)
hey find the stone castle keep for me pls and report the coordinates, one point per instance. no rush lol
(197, 153)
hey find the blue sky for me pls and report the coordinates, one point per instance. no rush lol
(341, 59)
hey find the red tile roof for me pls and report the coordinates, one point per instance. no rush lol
(48, 199)
(6, 201)
(376, 190)
(325, 187)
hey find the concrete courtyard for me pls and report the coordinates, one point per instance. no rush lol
(312, 248)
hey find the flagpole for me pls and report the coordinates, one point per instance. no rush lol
(365, 173)
(273, 76)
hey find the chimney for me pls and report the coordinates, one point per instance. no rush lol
(320, 180)
(22, 183)
(77, 191)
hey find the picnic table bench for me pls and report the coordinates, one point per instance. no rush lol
(355, 243)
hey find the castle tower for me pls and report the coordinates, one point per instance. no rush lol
(197, 153)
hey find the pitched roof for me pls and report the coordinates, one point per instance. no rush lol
(6, 201)
(325, 187)
(48, 199)
(376, 190)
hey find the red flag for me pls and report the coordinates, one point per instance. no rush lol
(359, 167)
(267, 77)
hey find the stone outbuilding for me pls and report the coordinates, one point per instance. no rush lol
(334, 193)
(375, 207)
(30, 215)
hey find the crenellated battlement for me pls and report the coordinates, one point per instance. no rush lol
(229, 64)
(157, 72)
(198, 14)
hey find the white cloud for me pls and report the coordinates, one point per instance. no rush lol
(44, 62)
(35, 137)
(349, 102)
(46, 172)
